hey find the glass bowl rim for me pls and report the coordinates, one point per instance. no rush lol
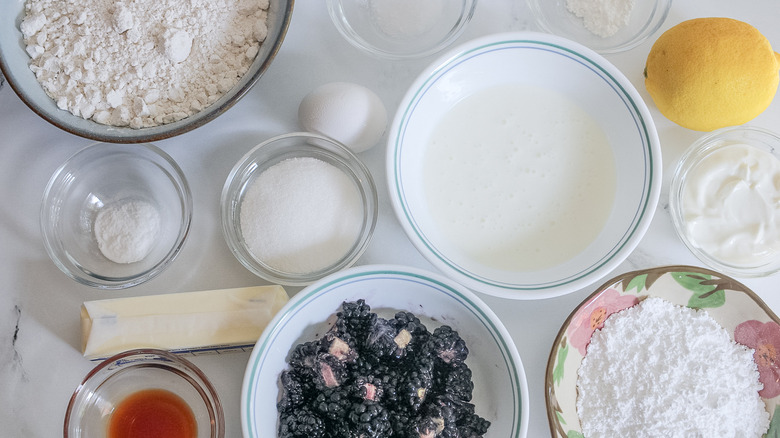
(48, 226)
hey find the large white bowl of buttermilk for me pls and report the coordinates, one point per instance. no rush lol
(523, 165)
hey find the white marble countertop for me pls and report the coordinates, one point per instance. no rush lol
(40, 361)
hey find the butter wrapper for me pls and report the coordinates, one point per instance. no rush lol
(185, 323)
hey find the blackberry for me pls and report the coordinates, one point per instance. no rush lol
(301, 423)
(369, 419)
(333, 403)
(368, 388)
(402, 424)
(380, 340)
(341, 346)
(454, 379)
(329, 372)
(413, 388)
(293, 393)
(473, 426)
(447, 345)
(304, 356)
(411, 334)
(355, 318)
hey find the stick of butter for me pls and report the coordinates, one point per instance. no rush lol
(191, 322)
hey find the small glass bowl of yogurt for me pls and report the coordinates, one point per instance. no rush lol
(724, 200)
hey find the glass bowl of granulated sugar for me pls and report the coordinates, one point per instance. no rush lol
(298, 207)
(116, 215)
(606, 26)
(130, 72)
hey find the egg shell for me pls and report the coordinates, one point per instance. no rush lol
(346, 112)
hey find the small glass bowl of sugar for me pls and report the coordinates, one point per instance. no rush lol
(297, 208)
(606, 26)
(116, 215)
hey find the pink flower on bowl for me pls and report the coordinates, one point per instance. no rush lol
(591, 316)
(764, 338)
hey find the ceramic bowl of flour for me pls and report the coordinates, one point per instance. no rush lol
(604, 26)
(523, 165)
(739, 316)
(131, 74)
(116, 215)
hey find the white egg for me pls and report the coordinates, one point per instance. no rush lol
(349, 113)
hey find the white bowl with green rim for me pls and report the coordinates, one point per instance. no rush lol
(500, 387)
(548, 64)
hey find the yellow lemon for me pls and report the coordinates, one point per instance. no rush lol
(708, 73)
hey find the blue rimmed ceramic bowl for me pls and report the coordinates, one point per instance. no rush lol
(546, 64)
(500, 387)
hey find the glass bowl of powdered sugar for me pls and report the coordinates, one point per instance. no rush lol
(606, 26)
(114, 216)
(298, 207)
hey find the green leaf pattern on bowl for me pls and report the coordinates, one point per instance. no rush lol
(726, 300)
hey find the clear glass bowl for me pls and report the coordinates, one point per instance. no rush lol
(691, 160)
(646, 18)
(95, 399)
(398, 29)
(274, 151)
(102, 174)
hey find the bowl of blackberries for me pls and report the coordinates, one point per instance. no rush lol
(385, 351)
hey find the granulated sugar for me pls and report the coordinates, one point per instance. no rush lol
(301, 215)
(660, 370)
(141, 63)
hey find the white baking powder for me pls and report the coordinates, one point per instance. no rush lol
(141, 63)
(602, 17)
(126, 230)
(301, 215)
(660, 370)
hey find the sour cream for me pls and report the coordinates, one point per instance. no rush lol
(730, 203)
(519, 178)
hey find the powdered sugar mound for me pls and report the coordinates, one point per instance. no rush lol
(141, 63)
(660, 370)
(602, 17)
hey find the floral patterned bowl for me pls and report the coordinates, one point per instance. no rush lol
(735, 307)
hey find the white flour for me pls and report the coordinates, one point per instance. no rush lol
(141, 63)
(602, 17)
(660, 370)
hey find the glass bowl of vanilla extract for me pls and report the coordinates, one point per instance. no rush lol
(145, 392)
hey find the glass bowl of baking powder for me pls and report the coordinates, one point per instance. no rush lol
(116, 215)
(606, 26)
(298, 207)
